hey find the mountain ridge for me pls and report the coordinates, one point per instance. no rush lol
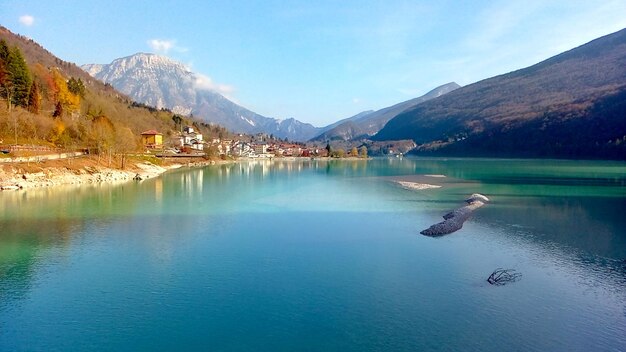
(162, 82)
(544, 101)
(366, 125)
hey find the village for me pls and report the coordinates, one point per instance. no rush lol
(191, 143)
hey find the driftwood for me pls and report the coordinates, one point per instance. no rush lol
(501, 276)
(453, 221)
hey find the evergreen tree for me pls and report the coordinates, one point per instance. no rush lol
(6, 84)
(19, 77)
(76, 87)
(4, 51)
(178, 121)
(58, 110)
(34, 99)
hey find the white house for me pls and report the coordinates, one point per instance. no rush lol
(192, 139)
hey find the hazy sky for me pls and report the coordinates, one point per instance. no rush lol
(319, 61)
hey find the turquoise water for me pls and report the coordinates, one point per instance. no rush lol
(319, 256)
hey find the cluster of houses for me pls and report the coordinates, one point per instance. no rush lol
(191, 142)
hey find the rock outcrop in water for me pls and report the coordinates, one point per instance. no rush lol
(454, 220)
(416, 186)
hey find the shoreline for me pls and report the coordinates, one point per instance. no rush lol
(88, 171)
(18, 177)
(82, 171)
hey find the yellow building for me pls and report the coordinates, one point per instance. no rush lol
(152, 139)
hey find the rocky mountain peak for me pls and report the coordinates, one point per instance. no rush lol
(161, 82)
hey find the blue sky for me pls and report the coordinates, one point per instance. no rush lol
(319, 61)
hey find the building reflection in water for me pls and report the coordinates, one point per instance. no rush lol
(263, 168)
(192, 182)
(158, 190)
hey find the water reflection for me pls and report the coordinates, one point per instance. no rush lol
(191, 183)
(24, 244)
(573, 229)
(158, 190)
(593, 225)
(567, 237)
(264, 168)
(70, 201)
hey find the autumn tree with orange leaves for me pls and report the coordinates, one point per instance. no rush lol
(69, 101)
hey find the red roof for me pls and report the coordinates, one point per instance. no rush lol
(151, 133)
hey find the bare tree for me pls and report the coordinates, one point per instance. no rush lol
(125, 142)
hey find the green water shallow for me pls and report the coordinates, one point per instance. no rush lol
(315, 255)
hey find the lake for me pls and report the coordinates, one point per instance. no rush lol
(319, 256)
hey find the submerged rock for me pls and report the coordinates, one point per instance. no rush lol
(453, 221)
(416, 186)
(477, 197)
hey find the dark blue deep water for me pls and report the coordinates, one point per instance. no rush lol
(319, 256)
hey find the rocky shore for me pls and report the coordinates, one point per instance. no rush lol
(16, 177)
(83, 170)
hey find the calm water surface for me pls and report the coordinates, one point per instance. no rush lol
(319, 256)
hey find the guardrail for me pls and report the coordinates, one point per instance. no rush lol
(31, 147)
(43, 157)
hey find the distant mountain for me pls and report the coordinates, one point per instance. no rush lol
(369, 123)
(571, 105)
(164, 83)
(351, 118)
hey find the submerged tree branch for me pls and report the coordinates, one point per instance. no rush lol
(501, 276)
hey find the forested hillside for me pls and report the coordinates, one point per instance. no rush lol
(48, 101)
(571, 105)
